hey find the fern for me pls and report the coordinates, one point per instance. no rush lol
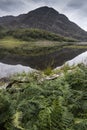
(17, 120)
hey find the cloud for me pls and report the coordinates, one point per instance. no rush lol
(9, 5)
(74, 9)
(76, 4)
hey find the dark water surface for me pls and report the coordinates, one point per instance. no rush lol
(54, 59)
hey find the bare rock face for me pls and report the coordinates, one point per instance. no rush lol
(48, 19)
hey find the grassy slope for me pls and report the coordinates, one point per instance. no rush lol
(59, 104)
(36, 34)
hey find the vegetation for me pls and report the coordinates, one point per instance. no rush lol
(59, 104)
(48, 70)
(35, 34)
(21, 45)
(11, 44)
(29, 42)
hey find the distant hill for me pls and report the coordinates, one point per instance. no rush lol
(47, 19)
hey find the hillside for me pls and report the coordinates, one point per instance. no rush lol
(37, 34)
(47, 19)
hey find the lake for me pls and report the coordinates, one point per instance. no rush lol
(41, 62)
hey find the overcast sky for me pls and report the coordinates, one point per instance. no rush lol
(76, 10)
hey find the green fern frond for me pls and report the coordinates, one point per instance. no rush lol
(16, 120)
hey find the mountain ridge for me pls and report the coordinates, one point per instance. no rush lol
(45, 18)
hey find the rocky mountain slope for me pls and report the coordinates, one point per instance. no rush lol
(45, 18)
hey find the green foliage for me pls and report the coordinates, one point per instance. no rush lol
(59, 104)
(36, 34)
(5, 111)
(48, 71)
(78, 77)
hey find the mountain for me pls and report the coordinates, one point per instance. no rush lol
(45, 18)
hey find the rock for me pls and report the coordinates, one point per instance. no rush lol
(52, 77)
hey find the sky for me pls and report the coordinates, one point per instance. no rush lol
(75, 10)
